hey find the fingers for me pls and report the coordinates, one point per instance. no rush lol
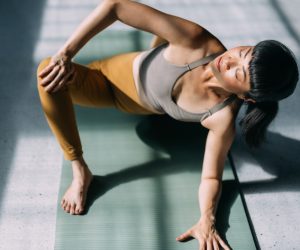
(58, 79)
(65, 80)
(222, 243)
(209, 245)
(216, 245)
(52, 85)
(202, 245)
(50, 75)
(185, 236)
(208, 239)
(71, 78)
(47, 69)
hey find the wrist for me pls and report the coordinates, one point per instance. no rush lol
(65, 54)
(207, 218)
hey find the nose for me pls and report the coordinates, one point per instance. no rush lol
(229, 62)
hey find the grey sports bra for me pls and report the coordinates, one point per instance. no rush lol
(157, 79)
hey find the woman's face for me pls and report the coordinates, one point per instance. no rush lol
(231, 69)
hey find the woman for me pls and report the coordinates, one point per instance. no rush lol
(191, 76)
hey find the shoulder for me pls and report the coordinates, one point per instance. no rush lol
(200, 45)
(223, 121)
(208, 41)
(200, 37)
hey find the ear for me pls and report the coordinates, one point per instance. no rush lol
(246, 99)
(249, 100)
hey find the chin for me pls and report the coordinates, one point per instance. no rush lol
(216, 73)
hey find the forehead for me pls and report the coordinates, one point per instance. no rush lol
(239, 48)
(236, 51)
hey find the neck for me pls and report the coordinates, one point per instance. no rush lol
(211, 82)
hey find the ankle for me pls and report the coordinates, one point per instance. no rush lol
(79, 165)
(79, 162)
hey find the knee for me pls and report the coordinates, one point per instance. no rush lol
(42, 65)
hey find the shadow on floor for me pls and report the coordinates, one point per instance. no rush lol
(285, 20)
(21, 23)
(184, 143)
(279, 156)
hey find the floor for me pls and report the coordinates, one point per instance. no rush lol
(31, 161)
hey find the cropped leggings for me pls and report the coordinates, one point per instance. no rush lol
(102, 83)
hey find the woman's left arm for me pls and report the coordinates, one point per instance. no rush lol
(220, 136)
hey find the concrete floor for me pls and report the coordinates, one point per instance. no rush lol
(31, 161)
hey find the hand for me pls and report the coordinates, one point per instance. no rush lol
(205, 232)
(58, 73)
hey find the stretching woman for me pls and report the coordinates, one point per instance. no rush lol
(188, 74)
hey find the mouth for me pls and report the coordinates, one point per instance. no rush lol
(218, 63)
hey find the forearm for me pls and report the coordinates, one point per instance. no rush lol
(209, 194)
(137, 15)
(100, 18)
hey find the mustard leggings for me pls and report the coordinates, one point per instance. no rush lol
(102, 83)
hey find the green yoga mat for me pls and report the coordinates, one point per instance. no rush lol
(147, 171)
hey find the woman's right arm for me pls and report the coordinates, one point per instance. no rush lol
(175, 30)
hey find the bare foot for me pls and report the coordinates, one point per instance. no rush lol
(73, 200)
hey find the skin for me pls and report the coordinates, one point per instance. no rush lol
(233, 73)
(187, 42)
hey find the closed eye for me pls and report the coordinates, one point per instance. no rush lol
(236, 74)
(240, 53)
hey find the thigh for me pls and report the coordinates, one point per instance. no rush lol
(118, 71)
(90, 88)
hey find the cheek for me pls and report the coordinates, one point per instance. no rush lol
(230, 81)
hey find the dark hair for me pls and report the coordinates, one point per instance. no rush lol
(273, 76)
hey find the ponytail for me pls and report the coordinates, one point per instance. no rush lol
(256, 120)
(274, 75)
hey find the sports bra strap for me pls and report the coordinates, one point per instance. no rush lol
(219, 106)
(202, 61)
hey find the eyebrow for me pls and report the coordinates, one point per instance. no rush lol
(244, 58)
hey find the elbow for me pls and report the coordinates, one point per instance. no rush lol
(115, 3)
(116, 7)
(212, 178)
(211, 183)
(112, 4)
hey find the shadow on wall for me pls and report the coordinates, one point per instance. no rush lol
(278, 156)
(285, 20)
(185, 143)
(19, 33)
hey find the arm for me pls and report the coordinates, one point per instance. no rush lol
(219, 139)
(174, 29)
(156, 41)
(217, 146)
(177, 31)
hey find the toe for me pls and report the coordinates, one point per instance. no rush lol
(77, 209)
(81, 207)
(68, 208)
(65, 204)
(72, 208)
